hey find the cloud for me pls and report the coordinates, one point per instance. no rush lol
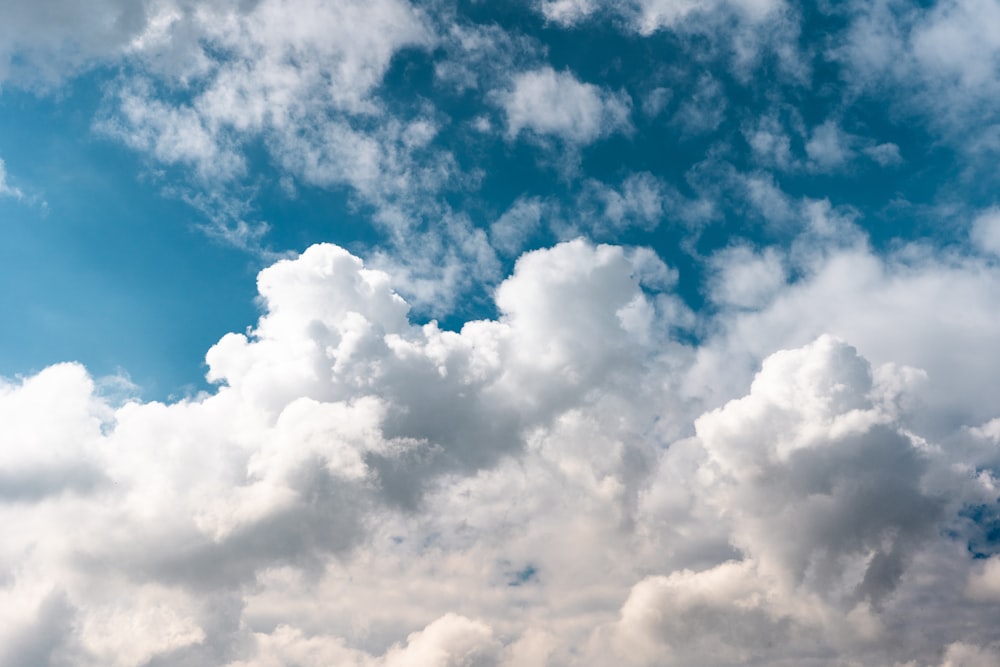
(829, 147)
(641, 201)
(173, 135)
(985, 231)
(42, 43)
(885, 155)
(737, 34)
(961, 654)
(509, 232)
(984, 581)
(295, 79)
(924, 54)
(825, 502)
(805, 471)
(859, 297)
(568, 12)
(744, 278)
(548, 102)
(6, 189)
(770, 142)
(450, 641)
(564, 484)
(648, 16)
(273, 71)
(296, 82)
(325, 418)
(705, 110)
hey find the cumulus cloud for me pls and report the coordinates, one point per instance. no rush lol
(567, 483)
(548, 102)
(325, 417)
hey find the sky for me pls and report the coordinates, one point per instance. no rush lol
(534, 333)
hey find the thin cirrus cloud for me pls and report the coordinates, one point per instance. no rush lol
(712, 383)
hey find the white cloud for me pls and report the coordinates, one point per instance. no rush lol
(769, 200)
(881, 305)
(564, 484)
(6, 189)
(885, 155)
(173, 135)
(704, 110)
(568, 12)
(744, 278)
(961, 654)
(770, 143)
(955, 40)
(656, 101)
(596, 476)
(985, 231)
(334, 409)
(829, 147)
(509, 232)
(43, 42)
(273, 71)
(556, 103)
(938, 58)
(641, 201)
(298, 79)
(984, 581)
(648, 16)
(656, 14)
(742, 31)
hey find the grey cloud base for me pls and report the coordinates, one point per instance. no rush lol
(553, 487)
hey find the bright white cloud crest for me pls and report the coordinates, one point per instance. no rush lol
(537, 489)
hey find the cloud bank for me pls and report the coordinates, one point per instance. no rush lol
(567, 484)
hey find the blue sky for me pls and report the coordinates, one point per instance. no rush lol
(325, 321)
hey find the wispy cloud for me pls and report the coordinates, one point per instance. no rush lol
(6, 189)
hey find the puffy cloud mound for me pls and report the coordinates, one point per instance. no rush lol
(538, 489)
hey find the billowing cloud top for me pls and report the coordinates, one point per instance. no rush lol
(649, 333)
(534, 489)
